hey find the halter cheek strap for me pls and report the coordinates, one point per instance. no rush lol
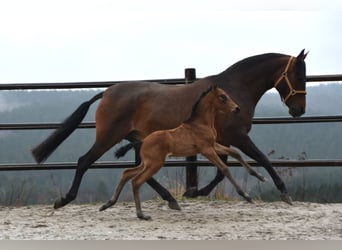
(284, 75)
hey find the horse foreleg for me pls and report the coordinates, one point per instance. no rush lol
(215, 159)
(220, 149)
(126, 176)
(248, 147)
(164, 193)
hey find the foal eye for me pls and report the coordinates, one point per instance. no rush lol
(223, 98)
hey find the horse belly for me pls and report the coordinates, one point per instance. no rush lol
(153, 115)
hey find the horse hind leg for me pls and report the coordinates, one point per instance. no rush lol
(105, 139)
(110, 129)
(125, 177)
(84, 162)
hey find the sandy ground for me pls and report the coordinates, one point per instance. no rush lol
(198, 219)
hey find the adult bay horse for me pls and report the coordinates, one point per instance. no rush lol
(196, 135)
(134, 110)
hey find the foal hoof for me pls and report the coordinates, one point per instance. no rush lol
(286, 198)
(174, 205)
(107, 205)
(191, 193)
(261, 177)
(144, 217)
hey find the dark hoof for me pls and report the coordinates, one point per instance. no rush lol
(191, 193)
(59, 203)
(174, 205)
(144, 217)
(103, 207)
(249, 199)
(107, 205)
(286, 198)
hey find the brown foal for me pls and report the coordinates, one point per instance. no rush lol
(197, 135)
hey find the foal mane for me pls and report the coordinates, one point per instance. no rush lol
(195, 106)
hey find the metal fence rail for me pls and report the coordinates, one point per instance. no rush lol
(198, 163)
(105, 84)
(271, 120)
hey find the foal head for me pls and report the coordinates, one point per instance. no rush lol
(221, 101)
(216, 97)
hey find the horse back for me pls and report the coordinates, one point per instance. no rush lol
(144, 107)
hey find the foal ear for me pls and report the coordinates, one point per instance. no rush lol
(301, 55)
(214, 86)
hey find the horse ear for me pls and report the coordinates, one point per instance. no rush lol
(301, 55)
(214, 86)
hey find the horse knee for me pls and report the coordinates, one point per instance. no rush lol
(219, 176)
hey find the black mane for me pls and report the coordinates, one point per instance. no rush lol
(195, 106)
(253, 60)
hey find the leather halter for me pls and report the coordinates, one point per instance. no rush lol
(284, 75)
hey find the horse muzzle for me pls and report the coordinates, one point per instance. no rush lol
(296, 111)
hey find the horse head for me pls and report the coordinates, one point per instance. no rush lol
(291, 84)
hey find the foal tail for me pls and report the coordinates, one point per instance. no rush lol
(42, 151)
(124, 149)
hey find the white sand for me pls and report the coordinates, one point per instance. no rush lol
(198, 219)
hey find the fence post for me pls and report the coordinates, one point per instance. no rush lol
(191, 171)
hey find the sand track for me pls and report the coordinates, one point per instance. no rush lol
(198, 219)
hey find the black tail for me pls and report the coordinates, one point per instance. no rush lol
(124, 149)
(42, 151)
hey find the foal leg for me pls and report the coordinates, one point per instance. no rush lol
(138, 180)
(205, 191)
(163, 192)
(215, 159)
(126, 176)
(220, 149)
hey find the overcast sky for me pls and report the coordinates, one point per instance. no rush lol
(101, 40)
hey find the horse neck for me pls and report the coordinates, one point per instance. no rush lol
(255, 78)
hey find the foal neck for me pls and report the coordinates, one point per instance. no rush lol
(204, 113)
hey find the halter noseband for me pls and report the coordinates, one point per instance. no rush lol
(292, 91)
